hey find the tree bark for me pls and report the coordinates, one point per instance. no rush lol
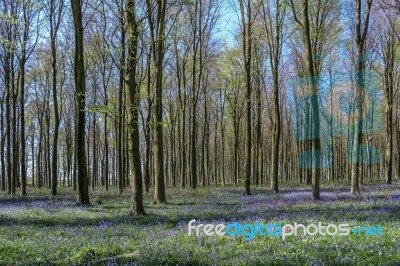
(246, 43)
(80, 90)
(132, 100)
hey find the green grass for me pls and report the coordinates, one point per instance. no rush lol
(41, 230)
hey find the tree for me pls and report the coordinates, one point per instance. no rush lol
(133, 99)
(274, 16)
(122, 59)
(55, 15)
(360, 39)
(80, 92)
(29, 13)
(232, 80)
(389, 54)
(312, 91)
(8, 33)
(246, 25)
(157, 29)
(195, 21)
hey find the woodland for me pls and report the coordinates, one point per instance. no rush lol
(122, 120)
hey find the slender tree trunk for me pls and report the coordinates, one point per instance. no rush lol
(106, 149)
(356, 160)
(3, 141)
(14, 140)
(159, 193)
(132, 98)
(22, 99)
(80, 87)
(147, 125)
(53, 36)
(273, 28)
(120, 128)
(277, 133)
(389, 52)
(33, 157)
(313, 125)
(246, 43)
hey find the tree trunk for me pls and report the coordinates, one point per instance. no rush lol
(246, 43)
(159, 193)
(313, 125)
(53, 36)
(356, 160)
(80, 88)
(132, 100)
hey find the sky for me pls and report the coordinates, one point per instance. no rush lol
(228, 23)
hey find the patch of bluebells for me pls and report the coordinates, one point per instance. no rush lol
(68, 234)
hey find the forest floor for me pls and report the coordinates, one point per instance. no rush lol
(41, 229)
